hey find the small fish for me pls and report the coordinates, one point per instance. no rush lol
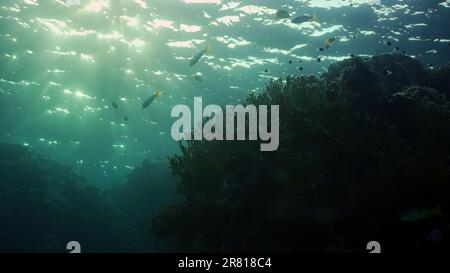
(282, 14)
(300, 68)
(198, 77)
(330, 41)
(321, 49)
(265, 70)
(319, 60)
(290, 62)
(419, 214)
(114, 105)
(199, 55)
(352, 55)
(125, 118)
(149, 101)
(387, 72)
(388, 43)
(305, 18)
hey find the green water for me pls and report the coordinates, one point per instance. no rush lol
(63, 64)
(74, 75)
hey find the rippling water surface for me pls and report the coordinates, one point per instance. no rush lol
(64, 63)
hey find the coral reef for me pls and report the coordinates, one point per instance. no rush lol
(359, 145)
(44, 205)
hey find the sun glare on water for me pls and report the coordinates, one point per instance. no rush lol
(97, 6)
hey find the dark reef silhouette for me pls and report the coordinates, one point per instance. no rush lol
(44, 205)
(359, 146)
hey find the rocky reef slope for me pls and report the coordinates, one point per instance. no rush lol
(44, 205)
(364, 151)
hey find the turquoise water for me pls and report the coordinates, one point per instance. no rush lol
(363, 155)
(63, 63)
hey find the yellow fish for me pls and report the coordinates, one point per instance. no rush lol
(330, 41)
(149, 101)
(199, 55)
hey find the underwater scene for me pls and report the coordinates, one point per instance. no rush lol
(225, 126)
